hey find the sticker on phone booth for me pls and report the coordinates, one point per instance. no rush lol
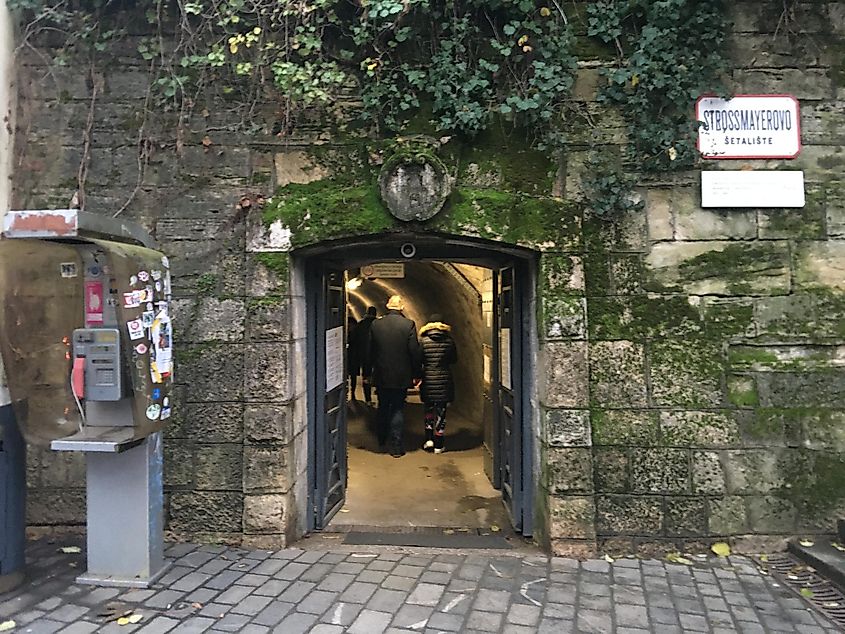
(131, 299)
(136, 329)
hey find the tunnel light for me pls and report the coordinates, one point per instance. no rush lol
(354, 283)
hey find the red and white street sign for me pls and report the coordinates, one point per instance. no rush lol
(749, 127)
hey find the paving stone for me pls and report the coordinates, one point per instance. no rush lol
(191, 581)
(325, 628)
(251, 605)
(252, 579)
(272, 588)
(80, 627)
(370, 622)
(342, 613)
(273, 613)
(159, 625)
(492, 601)
(337, 582)
(399, 583)
(231, 623)
(440, 621)
(224, 579)
(411, 615)
(384, 600)
(524, 614)
(484, 621)
(68, 613)
(426, 594)
(296, 591)
(233, 595)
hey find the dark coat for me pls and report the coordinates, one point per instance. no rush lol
(439, 352)
(359, 341)
(394, 351)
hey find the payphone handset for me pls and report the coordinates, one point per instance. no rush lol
(96, 372)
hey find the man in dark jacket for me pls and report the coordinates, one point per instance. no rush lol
(394, 354)
(438, 386)
(359, 341)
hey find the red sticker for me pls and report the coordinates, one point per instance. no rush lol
(93, 304)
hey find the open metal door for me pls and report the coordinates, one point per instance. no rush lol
(509, 419)
(329, 376)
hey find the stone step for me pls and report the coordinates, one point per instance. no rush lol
(825, 558)
(841, 525)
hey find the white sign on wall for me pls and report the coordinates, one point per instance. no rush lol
(505, 357)
(749, 126)
(739, 188)
(334, 358)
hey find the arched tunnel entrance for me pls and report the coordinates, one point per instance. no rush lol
(484, 480)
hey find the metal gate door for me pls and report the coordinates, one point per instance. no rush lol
(329, 363)
(509, 336)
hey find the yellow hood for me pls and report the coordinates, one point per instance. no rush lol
(435, 325)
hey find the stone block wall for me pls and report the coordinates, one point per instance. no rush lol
(689, 362)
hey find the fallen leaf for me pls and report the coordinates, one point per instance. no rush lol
(609, 559)
(196, 605)
(70, 550)
(206, 140)
(677, 558)
(495, 528)
(448, 531)
(793, 577)
(830, 604)
(721, 548)
(838, 546)
(764, 558)
(806, 543)
(123, 620)
(5, 626)
(545, 12)
(806, 593)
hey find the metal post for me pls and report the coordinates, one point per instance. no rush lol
(12, 501)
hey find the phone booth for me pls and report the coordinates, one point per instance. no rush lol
(87, 344)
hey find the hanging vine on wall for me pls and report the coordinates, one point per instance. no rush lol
(669, 52)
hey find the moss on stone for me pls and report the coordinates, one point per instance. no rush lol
(522, 170)
(206, 284)
(742, 391)
(629, 427)
(326, 209)
(744, 357)
(734, 264)
(641, 317)
(277, 263)
(814, 481)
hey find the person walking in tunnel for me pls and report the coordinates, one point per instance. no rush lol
(359, 340)
(438, 386)
(395, 356)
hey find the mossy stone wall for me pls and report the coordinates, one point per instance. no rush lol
(690, 361)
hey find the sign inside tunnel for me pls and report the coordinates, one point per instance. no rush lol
(749, 126)
(384, 270)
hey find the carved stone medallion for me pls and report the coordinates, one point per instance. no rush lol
(414, 186)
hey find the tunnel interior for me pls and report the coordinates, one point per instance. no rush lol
(421, 489)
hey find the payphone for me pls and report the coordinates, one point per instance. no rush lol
(86, 339)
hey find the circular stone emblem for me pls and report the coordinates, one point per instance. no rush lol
(414, 187)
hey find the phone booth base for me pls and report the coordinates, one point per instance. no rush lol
(125, 501)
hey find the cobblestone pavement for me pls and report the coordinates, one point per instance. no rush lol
(328, 590)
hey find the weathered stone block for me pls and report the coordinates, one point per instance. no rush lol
(627, 233)
(564, 376)
(686, 374)
(55, 507)
(617, 374)
(266, 372)
(213, 422)
(264, 513)
(210, 372)
(265, 422)
(268, 319)
(629, 515)
(218, 320)
(218, 467)
(572, 517)
(694, 223)
(819, 265)
(742, 390)
(822, 429)
(569, 470)
(178, 464)
(813, 316)
(205, 512)
(708, 476)
(660, 471)
(699, 429)
(805, 83)
(752, 471)
(597, 277)
(296, 166)
(770, 514)
(562, 274)
(629, 427)
(567, 428)
(806, 389)
(658, 209)
(719, 268)
(806, 222)
(728, 316)
(626, 272)
(686, 517)
(265, 470)
(268, 274)
(643, 317)
(610, 470)
(727, 516)
(564, 317)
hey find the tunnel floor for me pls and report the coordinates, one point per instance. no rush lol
(421, 489)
